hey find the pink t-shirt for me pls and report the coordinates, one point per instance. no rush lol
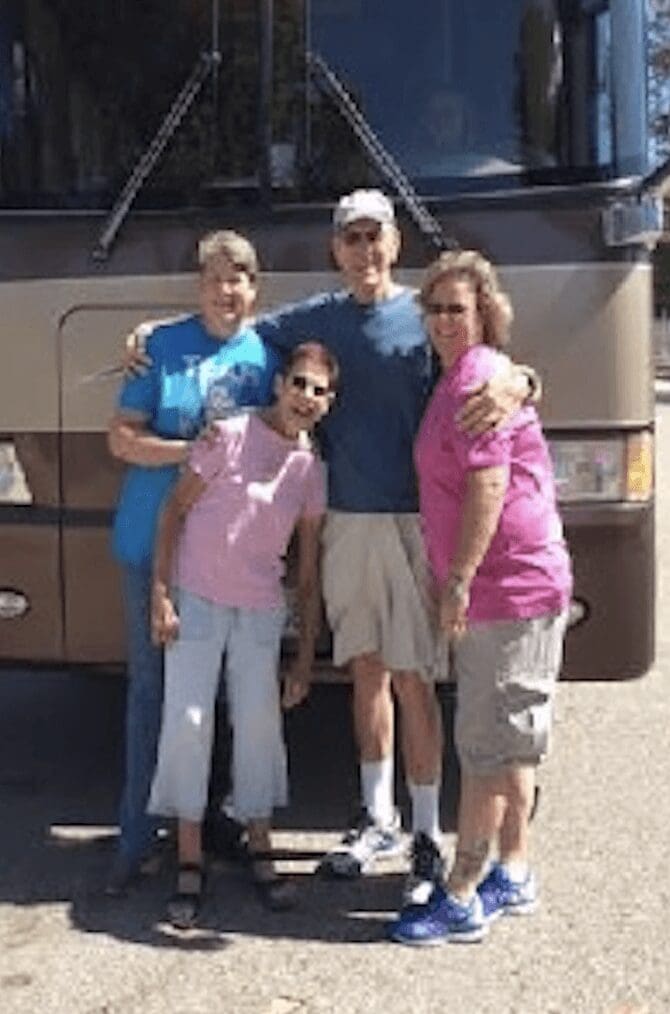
(235, 536)
(526, 570)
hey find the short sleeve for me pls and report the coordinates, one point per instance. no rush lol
(315, 489)
(209, 455)
(486, 450)
(141, 395)
(289, 326)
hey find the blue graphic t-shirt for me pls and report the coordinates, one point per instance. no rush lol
(193, 379)
(385, 379)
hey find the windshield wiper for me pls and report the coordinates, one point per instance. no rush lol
(206, 64)
(381, 158)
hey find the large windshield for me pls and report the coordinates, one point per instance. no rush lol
(84, 87)
(465, 94)
(545, 90)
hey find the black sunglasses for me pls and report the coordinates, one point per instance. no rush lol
(308, 387)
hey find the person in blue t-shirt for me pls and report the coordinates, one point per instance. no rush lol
(374, 571)
(203, 367)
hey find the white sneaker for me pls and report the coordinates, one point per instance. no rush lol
(361, 846)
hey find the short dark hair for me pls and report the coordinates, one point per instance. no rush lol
(318, 353)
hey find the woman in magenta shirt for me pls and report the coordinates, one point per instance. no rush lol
(503, 581)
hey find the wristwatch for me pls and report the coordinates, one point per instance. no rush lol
(457, 588)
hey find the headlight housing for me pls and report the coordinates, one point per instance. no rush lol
(596, 469)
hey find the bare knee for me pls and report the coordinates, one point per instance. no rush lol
(519, 788)
(370, 678)
(413, 692)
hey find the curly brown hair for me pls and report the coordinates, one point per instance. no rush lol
(493, 304)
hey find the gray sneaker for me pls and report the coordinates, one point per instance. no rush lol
(366, 842)
(426, 872)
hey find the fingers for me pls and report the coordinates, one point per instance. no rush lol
(135, 361)
(135, 365)
(164, 628)
(295, 692)
(479, 415)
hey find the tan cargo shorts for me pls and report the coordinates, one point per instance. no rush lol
(376, 588)
(506, 673)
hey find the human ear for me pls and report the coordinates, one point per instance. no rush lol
(396, 245)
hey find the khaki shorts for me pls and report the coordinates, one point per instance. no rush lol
(506, 675)
(377, 591)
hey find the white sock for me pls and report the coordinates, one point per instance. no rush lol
(377, 789)
(516, 870)
(426, 810)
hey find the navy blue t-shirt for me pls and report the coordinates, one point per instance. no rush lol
(385, 378)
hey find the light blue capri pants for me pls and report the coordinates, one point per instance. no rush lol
(250, 640)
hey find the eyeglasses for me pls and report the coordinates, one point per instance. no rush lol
(308, 387)
(453, 309)
(356, 237)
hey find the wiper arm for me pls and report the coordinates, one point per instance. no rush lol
(378, 153)
(207, 63)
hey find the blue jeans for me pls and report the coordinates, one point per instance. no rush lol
(144, 702)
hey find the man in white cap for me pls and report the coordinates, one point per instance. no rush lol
(373, 558)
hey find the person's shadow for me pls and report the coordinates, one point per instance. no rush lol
(60, 758)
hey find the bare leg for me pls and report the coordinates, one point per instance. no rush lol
(421, 728)
(276, 891)
(259, 841)
(184, 905)
(189, 842)
(514, 831)
(373, 708)
(481, 811)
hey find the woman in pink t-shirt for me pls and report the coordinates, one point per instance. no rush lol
(503, 581)
(217, 591)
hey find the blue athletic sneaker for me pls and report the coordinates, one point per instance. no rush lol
(500, 895)
(443, 918)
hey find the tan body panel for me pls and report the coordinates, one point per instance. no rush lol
(30, 563)
(573, 323)
(94, 625)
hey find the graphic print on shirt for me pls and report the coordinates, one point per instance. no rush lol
(206, 390)
(224, 393)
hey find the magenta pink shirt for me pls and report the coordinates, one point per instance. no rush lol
(526, 571)
(235, 536)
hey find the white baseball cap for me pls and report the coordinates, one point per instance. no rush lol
(372, 204)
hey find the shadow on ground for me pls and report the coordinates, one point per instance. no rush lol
(60, 770)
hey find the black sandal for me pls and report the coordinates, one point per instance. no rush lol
(276, 892)
(184, 906)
